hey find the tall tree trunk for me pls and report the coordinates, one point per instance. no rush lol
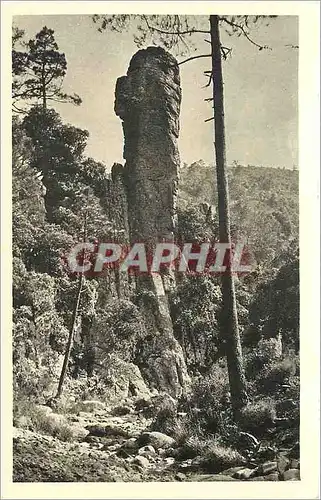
(73, 321)
(229, 323)
(44, 97)
(43, 87)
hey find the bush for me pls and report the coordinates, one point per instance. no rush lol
(166, 416)
(277, 374)
(209, 397)
(192, 447)
(117, 330)
(218, 458)
(266, 351)
(258, 416)
(42, 420)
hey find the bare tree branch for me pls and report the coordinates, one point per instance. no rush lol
(210, 76)
(243, 31)
(225, 51)
(194, 57)
(164, 32)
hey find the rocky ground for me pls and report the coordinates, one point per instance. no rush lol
(115, 444)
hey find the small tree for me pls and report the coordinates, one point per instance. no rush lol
(38, 71)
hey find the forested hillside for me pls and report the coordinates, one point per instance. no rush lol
(264, 203)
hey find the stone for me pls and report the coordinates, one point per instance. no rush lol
(185, 465)
(130, 444)
(44, 410)
(295, 464)
(245, 473)
(147, 449)
(89, 406)
(169, 460)
(96, 430)
(291, 475)
(267, 468)
(283, 463)
(232, 470)
(122, 410)
(180, 476)
(123, 378)
(147, 100)
(78, 432)
(113, 430)
(266, 453)
(92, 439)
(169, 452)
(272, 477)
(162, 400)
(194, 464)
(214, 477)
(156, 439)
(141, 461)
(108, 444)
(143, 404)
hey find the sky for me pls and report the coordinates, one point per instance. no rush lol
(261, 90)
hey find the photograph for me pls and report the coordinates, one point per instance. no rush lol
(155, 250)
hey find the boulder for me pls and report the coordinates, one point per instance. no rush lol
(291, 475)
(295, 464)
(232, 470)
(123, 380)
(122, 410)
(272, 477)
(143, 404)
(214, 477)
(169, 460)
(113, 430)
(245, 474)
(156, 439)
(130, 444)
(267, 468)
(283, 463)
(147, 449)
(141, 461)
(44, 410)
(180, 476)
(96, 430)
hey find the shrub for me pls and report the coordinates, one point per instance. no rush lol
(42, 420)
(258, 416)
(192, 447)
(266, 351)
(117, 330)
(218, 458)
(276, 374)
(166, 416)
(209, 397)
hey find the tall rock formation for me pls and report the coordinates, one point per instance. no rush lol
(148, 102)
